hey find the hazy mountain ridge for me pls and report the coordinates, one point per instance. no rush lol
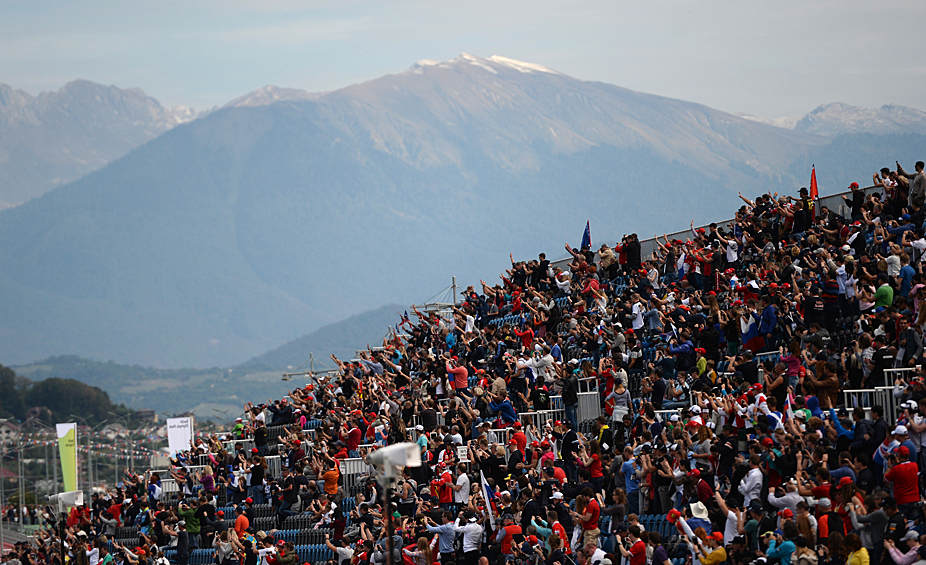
(234, 233)
(228, 387)
(837, 118)
(56, 137)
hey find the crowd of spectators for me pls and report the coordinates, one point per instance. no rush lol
(718, 366)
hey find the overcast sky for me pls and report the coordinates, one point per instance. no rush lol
(768, 58)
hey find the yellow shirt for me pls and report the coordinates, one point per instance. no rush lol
(859, 557)
(717, 556)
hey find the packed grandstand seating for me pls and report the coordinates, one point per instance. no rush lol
(752, 392)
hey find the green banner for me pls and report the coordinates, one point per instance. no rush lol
(67, 447)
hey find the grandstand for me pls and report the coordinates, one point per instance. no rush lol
(784, 340)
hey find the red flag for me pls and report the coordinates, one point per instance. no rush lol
(813, 191)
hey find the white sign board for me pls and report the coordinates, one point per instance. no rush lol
(179, 434)
(463, 454)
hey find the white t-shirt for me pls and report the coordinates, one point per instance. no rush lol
(732, 251)
(470, 324)
(462, 495)
(920, 245)
(893, 265)
(919, 439)
(344, 553)
(637, 316)
(263, 553)
(730, 530)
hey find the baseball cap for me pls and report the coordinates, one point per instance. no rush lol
(557, 495)
(249, 500)
(900, 430)
(824, 502)
(419, 428)
(786, 513)
(717, 536)
(910, 535)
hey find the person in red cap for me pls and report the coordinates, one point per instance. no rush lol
(903, 475)
(702, 487)
(442, 486)
(351, 435)
(296, 454)
(714, 553)
(519, 437)
(857, 200)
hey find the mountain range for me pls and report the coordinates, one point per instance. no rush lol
(56, 137)
(283, 211)
(219, 392)
(838, 119)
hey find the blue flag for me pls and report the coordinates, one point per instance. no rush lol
(586, 237)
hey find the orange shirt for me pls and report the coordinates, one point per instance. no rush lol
(331, 481)
(241, 525)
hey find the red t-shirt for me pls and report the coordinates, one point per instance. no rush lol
(822, 491)
(561, 532)
(559, 474)
(353, 438)
(446, 490)
(594, 468)
(116, 511)
(904, 476)
(595, 511)
(638, 553)
(520, 439)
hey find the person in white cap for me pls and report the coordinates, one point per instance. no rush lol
(912, 542)
(902, 436)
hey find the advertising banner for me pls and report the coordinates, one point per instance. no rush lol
(67, 447)
(179, 434)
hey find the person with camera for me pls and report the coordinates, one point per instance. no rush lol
(780, 543)
(467, 524)
(632, 547)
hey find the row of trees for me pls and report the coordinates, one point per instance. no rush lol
(61, 398)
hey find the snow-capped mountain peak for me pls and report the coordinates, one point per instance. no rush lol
(838, 118)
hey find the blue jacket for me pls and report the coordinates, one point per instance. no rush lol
(840, 431)
(505, 410)
(769, 320)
